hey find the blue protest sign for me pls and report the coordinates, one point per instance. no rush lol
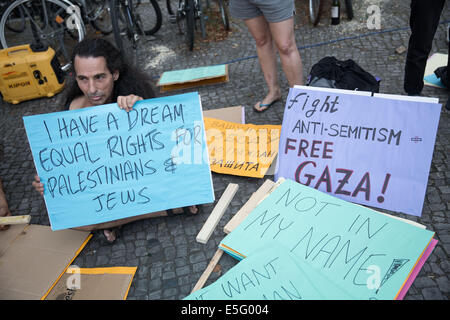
(101, 163)
(374, 151)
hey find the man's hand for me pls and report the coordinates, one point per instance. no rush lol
(126, 102)
(38, 186)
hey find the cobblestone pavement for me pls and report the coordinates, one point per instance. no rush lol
(169, 259)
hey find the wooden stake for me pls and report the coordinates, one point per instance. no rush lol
(205, 275)
(15, 220)
(217, 213)
(251, 203)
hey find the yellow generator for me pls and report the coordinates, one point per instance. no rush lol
(28, 72)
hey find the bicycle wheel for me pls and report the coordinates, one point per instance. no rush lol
(224, 15)
(125, 29)
(49, 22)
(185, 12)
(99, 16)
(315, 10)
(149, 15)
(349, 9)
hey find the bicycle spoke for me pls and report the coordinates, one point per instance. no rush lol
(33, 23)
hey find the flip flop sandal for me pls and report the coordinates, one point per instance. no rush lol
(265, 106)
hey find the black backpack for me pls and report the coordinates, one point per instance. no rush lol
(441, 73)
(332, 73)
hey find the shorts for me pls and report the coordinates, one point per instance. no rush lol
(273, 11)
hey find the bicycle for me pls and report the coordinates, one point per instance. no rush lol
(188, 12)
(96, 12)
(59, 24)
(127, 24)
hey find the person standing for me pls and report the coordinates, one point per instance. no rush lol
(271, 24)
(424, 20)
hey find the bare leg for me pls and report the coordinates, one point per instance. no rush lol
(283, 34)
(259, 28)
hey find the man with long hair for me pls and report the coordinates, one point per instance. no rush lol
(103, 76)
(113, 79)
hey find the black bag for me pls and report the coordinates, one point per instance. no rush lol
(332, 73)
(441, 73)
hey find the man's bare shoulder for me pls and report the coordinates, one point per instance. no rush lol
(78, 103)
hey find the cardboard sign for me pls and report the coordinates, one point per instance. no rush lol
(193, 77)
(93, 284)
(101, 163)
(232, 114)
(376, 151)
(241, 149)
(367, 254)
(33, 257)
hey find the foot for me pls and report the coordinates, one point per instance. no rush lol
(110, 235)
(193, 209)
(190, 209)
(267, 102)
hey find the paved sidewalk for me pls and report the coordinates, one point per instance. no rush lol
(169, 259)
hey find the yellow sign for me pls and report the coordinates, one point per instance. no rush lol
(241, 149)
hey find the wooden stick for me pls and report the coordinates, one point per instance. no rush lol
(205, 275)
(217, 213)
(15, 220)
(251, 203)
